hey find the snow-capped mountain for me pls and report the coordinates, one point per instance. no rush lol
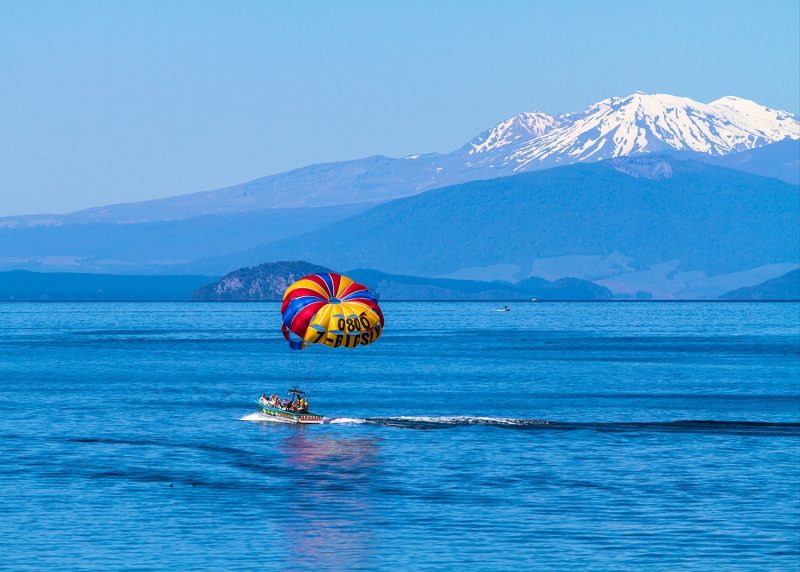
(651, 123)
(518, 129)
(615, 127)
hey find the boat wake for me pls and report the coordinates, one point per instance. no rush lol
(682, 426)
(256, 417)
(427, 422)
(445, 422)
(345, 420)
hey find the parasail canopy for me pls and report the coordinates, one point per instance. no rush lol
(332, 310)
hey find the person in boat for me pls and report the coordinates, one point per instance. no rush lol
(273, 400)
(263, 399)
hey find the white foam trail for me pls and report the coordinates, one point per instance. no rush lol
(453, 419)
(257, 417)
(466, 420)
(349, 420)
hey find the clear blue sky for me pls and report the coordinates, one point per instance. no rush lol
(104, 102)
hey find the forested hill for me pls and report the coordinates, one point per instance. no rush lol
(262, 282)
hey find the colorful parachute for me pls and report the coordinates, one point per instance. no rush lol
(332, 310)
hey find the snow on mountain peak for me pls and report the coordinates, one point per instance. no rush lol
(774, 123)
(525, 126)
(646, 123)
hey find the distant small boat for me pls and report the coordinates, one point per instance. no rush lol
(293, 410)
(534, 299)
(503, 309)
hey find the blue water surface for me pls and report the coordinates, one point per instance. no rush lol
(579, 436)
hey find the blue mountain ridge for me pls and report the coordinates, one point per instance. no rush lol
(668, 225)
(654, 210)
(397, 287)
(268, 281)
(24, 285)
(786, 287)
(780, 160)
(150, 247)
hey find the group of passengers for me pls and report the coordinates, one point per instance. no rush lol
(298, 405)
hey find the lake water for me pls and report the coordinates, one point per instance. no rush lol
(591, 436)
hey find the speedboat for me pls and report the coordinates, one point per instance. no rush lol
(503, 309)
(291, 410)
